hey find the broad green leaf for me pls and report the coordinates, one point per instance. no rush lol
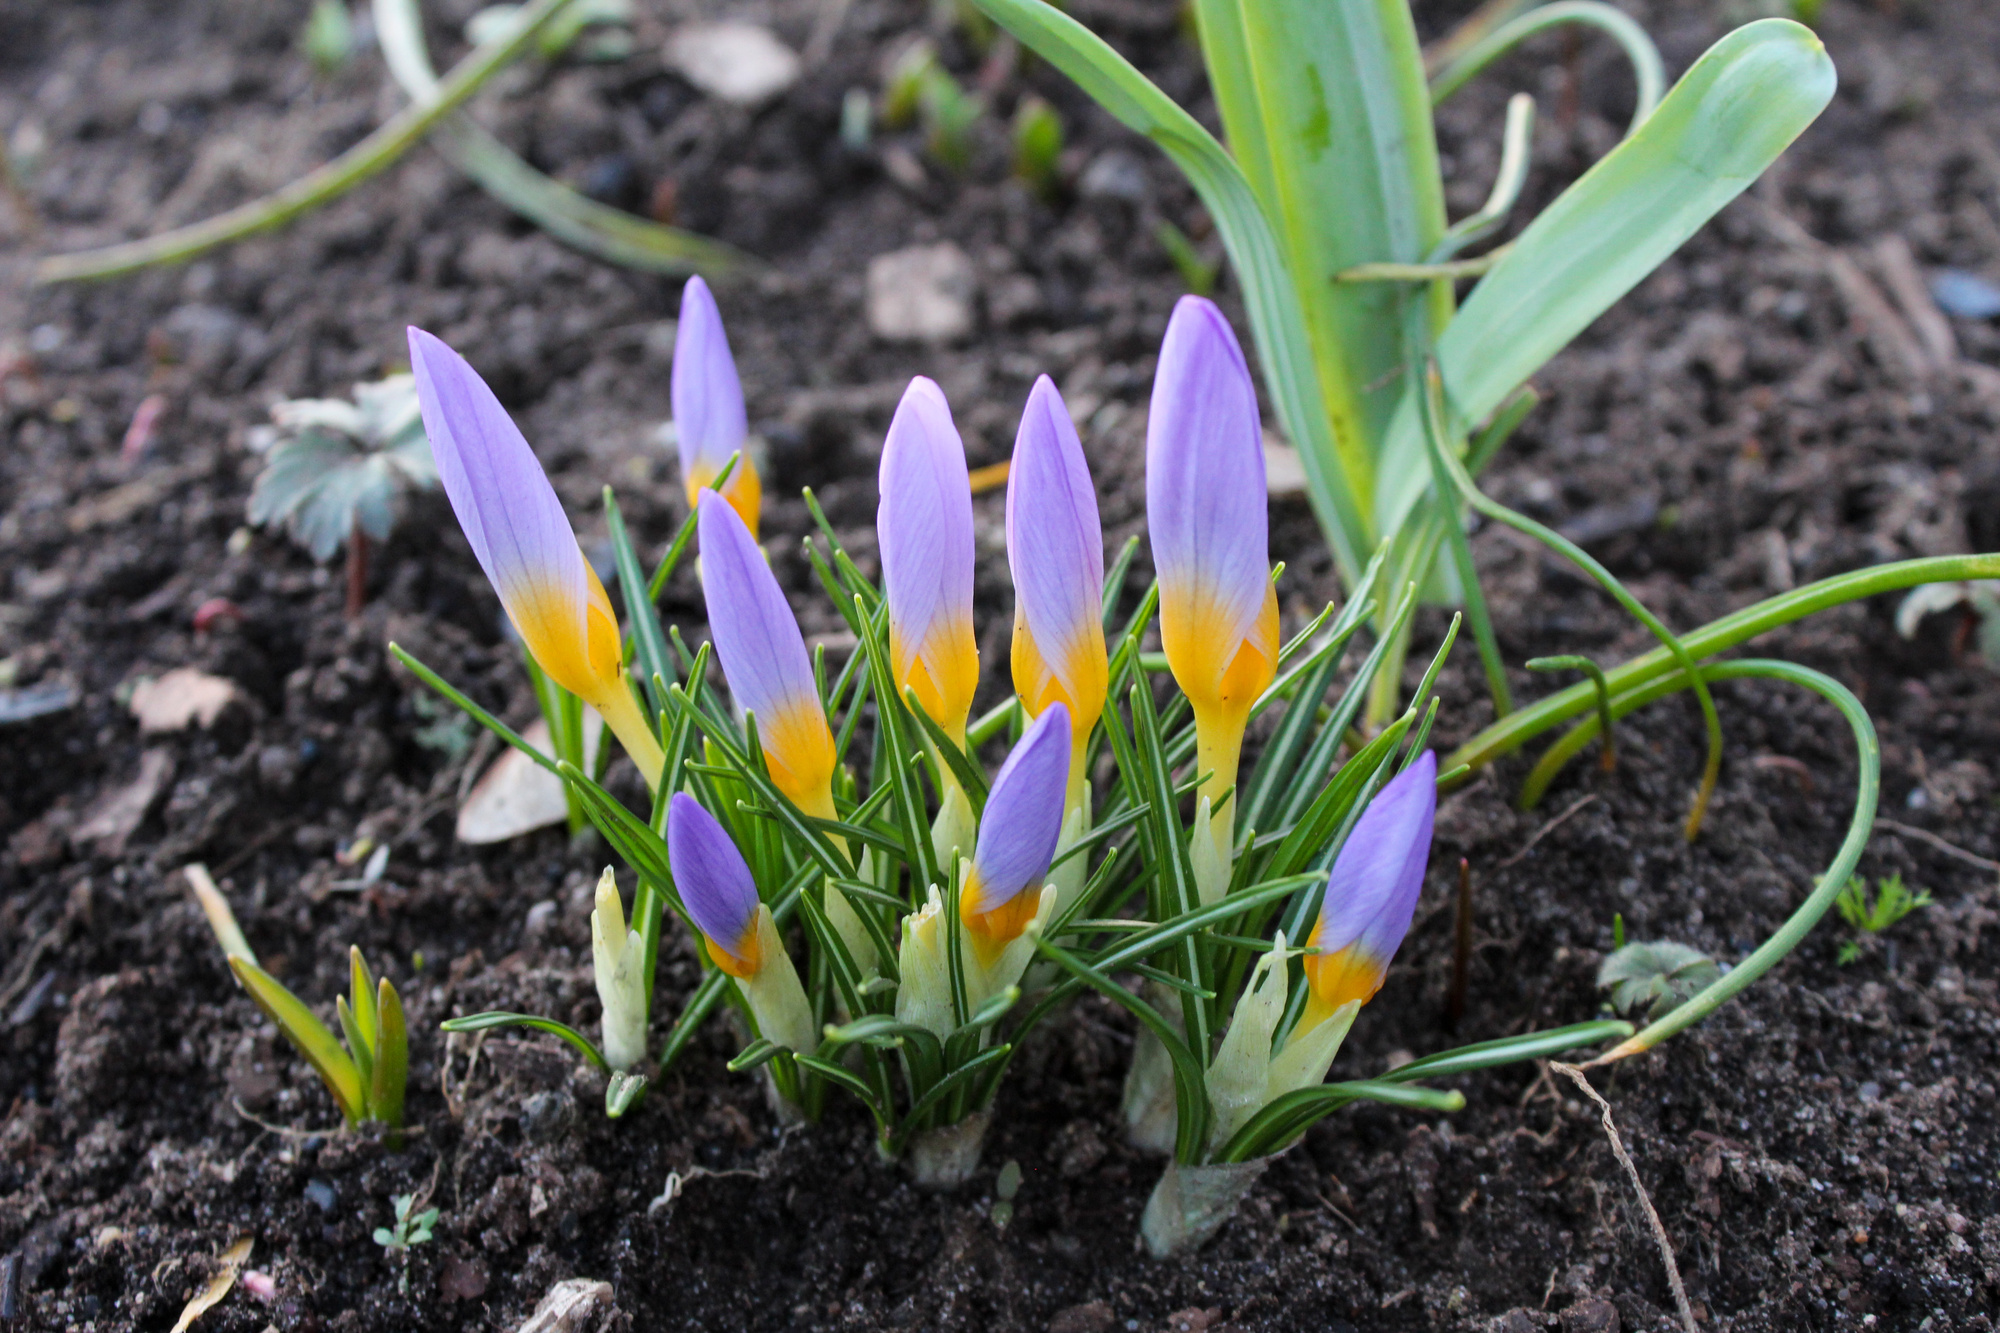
(312, 1038)
(1728, 118)
(1276, 317)
(1326, 109)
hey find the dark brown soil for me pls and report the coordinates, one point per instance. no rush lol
(1822, 1154)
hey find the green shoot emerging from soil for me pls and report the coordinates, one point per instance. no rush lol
(1870, 915)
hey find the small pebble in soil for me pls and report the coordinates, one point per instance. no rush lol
(320, 1194)
(547, 1116)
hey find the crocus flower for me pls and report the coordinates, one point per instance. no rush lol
(924, 523)
(764, 658)
(1372, 893)
(618, 957)
(708, 406)
(1002, 892)
(524, 543)
(721, 899)
(1055, 548)
(1205, 512)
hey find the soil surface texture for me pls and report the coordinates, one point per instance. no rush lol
(1774, 406)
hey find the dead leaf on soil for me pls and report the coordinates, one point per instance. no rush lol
(180, 699)
(218, 1286)
(116, 815)
(570, 1307)
(1284, 471)
(517, 795)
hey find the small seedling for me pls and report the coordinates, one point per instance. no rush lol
(1038, 144)
(1005, 1188)
(366, 1078)
(328, 40)
(1658, 975)
(410, 1229)
(1868, 916)
(336, 473)
(948, 113)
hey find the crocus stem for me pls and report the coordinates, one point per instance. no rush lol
(1218, 747)
(621, 713)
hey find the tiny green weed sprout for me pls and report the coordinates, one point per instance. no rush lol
(1870, 916)
(328, 39)
(337, 473)
(921, 90)
(410, 1228)
(1038, 145)
(367, 1077)
(1656, 975)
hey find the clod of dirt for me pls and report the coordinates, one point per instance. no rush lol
(922, 294)
(180, 699)
(113, 1035)
(738, 63)
(116, 815)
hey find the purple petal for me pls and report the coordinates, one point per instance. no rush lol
(924, 521)
(1055, 543)
(712, 876)
(707, 396)
(1023, 816)
(1372, 893)
(755, 635)
(1206, 504)
(498, 490)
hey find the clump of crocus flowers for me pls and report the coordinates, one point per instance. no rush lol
(876, 922)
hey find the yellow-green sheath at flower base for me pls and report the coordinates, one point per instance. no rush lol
(618, 958)
(524, 543)
(1206, 516)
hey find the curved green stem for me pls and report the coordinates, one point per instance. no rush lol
(1647, 68)
(1451, 466)
(1523, 725)
(1516, 140)
(1578, 662)
(608, 233)
(1766, 956)
(389, 142)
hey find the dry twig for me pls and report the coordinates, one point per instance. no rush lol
(1575, 1076)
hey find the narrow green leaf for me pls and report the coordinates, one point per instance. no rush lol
(642, 619)
(392, 1058)
(1508, 1050)
(361, 989)
(1285, 1118)
(500, 1019)
(1190, 1083)
(318, 1045)
(758, 1053)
